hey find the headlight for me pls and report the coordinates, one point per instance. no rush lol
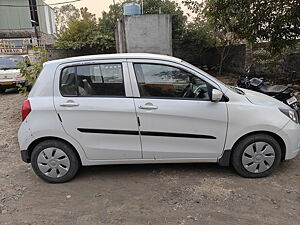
(292, 114)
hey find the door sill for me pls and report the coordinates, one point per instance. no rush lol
(148, 161)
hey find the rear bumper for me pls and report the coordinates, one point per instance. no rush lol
(25, 156)
(24, 138)
(10, 84)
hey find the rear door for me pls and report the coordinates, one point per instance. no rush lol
(177, 118)
(94, 104)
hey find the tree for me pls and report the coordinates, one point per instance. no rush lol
(83, 33)
(109, 19)
(223, 37)
(197, 37)
(275, 21)
(63, 14)
(168, 7)
(31, 73)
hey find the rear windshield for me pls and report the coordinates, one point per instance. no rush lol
(10, 62)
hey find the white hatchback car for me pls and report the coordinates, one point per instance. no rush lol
(145, 108)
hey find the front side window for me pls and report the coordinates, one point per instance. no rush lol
(94, 80)
(163, 81)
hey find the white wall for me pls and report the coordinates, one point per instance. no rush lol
(151, 33)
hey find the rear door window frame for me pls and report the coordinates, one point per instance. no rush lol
(125, 77)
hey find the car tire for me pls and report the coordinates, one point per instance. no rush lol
(55, 161)
(256, 156)
(2, 90)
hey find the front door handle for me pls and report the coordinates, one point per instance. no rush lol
(148, 106)
(69, 104)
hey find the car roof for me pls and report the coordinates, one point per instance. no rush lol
(12, 55)
(115, 56)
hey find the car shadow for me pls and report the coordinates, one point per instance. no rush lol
(10, 91)
(201, 169)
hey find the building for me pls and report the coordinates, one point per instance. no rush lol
(25, 22)
(150, 33)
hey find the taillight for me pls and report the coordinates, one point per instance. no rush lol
(26, 109)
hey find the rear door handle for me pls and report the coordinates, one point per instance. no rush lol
(148, 106)
(69, 104)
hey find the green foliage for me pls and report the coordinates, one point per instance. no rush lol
(109, 19)
(168, 7)
(275, 21)
(265, 59)
(262, 56)
(196, 38)
(63, 14)
(83, 33)
(31, 72)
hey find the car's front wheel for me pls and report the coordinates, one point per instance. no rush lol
(54, 161)
(256, 156)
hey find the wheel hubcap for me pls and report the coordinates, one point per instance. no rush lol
(53, 162)
(258, 157)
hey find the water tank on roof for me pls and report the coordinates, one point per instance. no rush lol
(131, 9)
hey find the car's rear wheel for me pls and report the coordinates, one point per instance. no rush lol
(2, 90)
(54, 161)
(256, 156)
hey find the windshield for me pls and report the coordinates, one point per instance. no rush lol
(204, 73)
(234, 89)
(10, 62)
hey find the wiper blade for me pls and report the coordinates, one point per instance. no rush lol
(9, 68)
(239, 91)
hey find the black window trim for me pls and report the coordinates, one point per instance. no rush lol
(76, 82)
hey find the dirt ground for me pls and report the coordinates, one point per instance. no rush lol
(140, 194)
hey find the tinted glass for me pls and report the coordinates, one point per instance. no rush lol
(99, 80)
(165, 81)
(68, 82)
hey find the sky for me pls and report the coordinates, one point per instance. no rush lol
(94, 6)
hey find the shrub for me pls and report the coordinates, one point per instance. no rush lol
(30, 72)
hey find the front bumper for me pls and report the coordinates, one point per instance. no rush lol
(290, 133)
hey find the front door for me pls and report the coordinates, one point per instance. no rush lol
(177, 118)
(94, 109)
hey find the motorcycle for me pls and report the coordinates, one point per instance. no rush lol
(280, 92)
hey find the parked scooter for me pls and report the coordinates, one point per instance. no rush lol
(280, 92)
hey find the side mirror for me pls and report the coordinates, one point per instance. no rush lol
(216, 95)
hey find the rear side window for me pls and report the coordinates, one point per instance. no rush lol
(93, 80)
(68, 81)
